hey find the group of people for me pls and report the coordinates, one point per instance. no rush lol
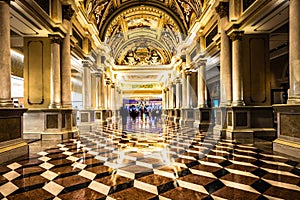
(142, 111)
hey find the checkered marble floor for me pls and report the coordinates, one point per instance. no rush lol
(150, 162)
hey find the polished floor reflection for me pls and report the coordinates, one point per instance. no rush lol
(149, 160)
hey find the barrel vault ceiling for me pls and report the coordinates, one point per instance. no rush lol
(142, 35)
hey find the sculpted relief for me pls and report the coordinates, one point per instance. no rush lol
(141, 56)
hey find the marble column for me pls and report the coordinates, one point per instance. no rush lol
(66, 59)
(103, 92)
(108, 94)
(202, 85)
(225, 58)
(188, 89)
(237, 67)
(5, 61)
(120, 98)
(86, 85)
(163, 92)
(170, 96)
(113, 96)
(178, 95)
(55, 81)
(184, 89)
(173, 87)
(294, 53)
(167, 98)
(99, 94)
(93, 91)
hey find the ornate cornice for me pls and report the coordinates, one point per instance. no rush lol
(67, 12)
(222, 9)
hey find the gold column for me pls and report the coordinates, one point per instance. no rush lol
(237, 67)
(66, 58)
(188, 89)
(178, 95)
(294, 52)
(86, 85)
(202, 85)
(225, 58)
(184, 86)
(55, 81)
(5, 61)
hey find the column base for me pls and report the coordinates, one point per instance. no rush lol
(189, 117)
(244, 136)
(164, 116)
(287, 147)
(67, 105)
(115, 116)
(170, 114)
(246, 122)
(55, 106)
(63, 135)
(11, 141)
(177, 116)
(13, 150)
(6, 104)
(225, 104)
(293, 101)
(220, 117)
(288, 127)
(238, 103)
(50, 124)
(203, 119)
(217, 130)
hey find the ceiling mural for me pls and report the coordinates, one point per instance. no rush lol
(142, 23)
(100, 10)
(125, 25)
(95, 10)
(139, 52)
(141, 56)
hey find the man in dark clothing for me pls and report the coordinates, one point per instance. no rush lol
(124, 114)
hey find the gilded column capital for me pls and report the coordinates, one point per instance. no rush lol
(55, 39)
(67, 12)
(237, 35)
(86, 63)
(107, 81)
(201, 62)
(222, 9)
(98, 74)
(188, 72)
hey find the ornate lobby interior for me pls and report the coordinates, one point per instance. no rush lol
(149, 99)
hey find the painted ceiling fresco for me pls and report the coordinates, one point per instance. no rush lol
(125, 25)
